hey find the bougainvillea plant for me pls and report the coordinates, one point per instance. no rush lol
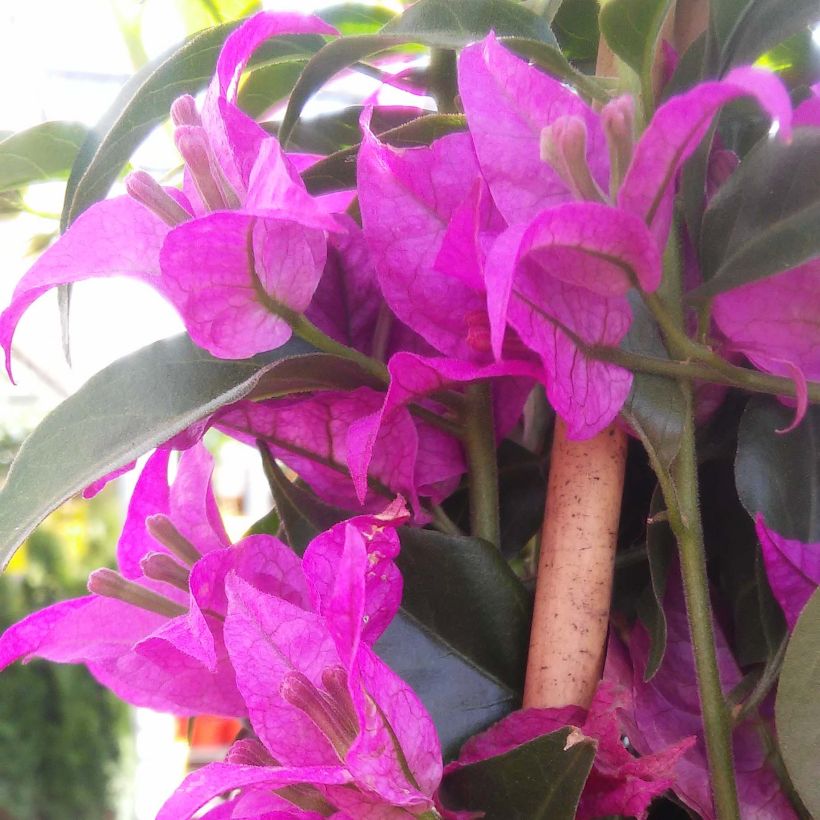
(532, 364)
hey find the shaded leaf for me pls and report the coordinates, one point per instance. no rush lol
(656, 407)
(302, 515)
(338, 171)
(312, 371)
(764, 219)
(541, 780)
(125, 410)
(460, 638)
(268, 85)
(661, 550)
(734, 556)
(46, 151)
(327, 62)
(632, 29)
(461, 589)
(576, 28)
(797, 709)
(329, 133)
(779, 474)
(745, 29)
(445, 24)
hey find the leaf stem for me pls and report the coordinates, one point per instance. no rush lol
(479, 441)
(728, 374)
(686, 524)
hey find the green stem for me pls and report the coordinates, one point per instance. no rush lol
(686, 524)
(479, 441)
(443, 80)
(728, 374)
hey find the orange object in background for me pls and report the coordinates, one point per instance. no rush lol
(208, 730)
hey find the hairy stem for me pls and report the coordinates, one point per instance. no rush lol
(479, 441)
(575, 568)
(686, 524)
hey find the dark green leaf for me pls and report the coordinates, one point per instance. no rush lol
(461, 636)
(338, 171)
(356, 18)
(329, 133)
(765, 219)
(576, 28)
(522, 489)
(268, 85)
(632, 29)
(463, 590)
(656, 407)
(331, 59)
(745, 29)
(779, 474)
(550, 58)
(541, 780)
(268, 524)
(145, 102)
(661, 549)
(734, 555)
(301, 513)
(129, 407)
(797, 709)
(46, 151)
(448, 24)
(313, 371)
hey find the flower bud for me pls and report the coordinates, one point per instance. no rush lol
(183, 111)
(193, 144)
(109, 584)
(148, 192)
(564, 147)
(162, 529)
(161, 567)
(617, 120)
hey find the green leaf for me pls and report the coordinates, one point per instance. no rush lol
(460, 639)
(764, 219)
(540, 780)
(797, 709)
(735, 558)
(745, 29)
(338, 171)
(331, 59)
(632, 29)
(448, 24)
(268, 85)
(576, 29)
(661, 549)
(145, 102)
(46, 151)
(779, 474)
(551, 59)
(356, 18)
(462, 590)
(310, 372)
(125, 410)
(656, 407)
(435, 23)
(328, 133)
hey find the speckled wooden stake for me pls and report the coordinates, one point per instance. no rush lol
(575, 569)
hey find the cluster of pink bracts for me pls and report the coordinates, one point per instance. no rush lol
(504, 253)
